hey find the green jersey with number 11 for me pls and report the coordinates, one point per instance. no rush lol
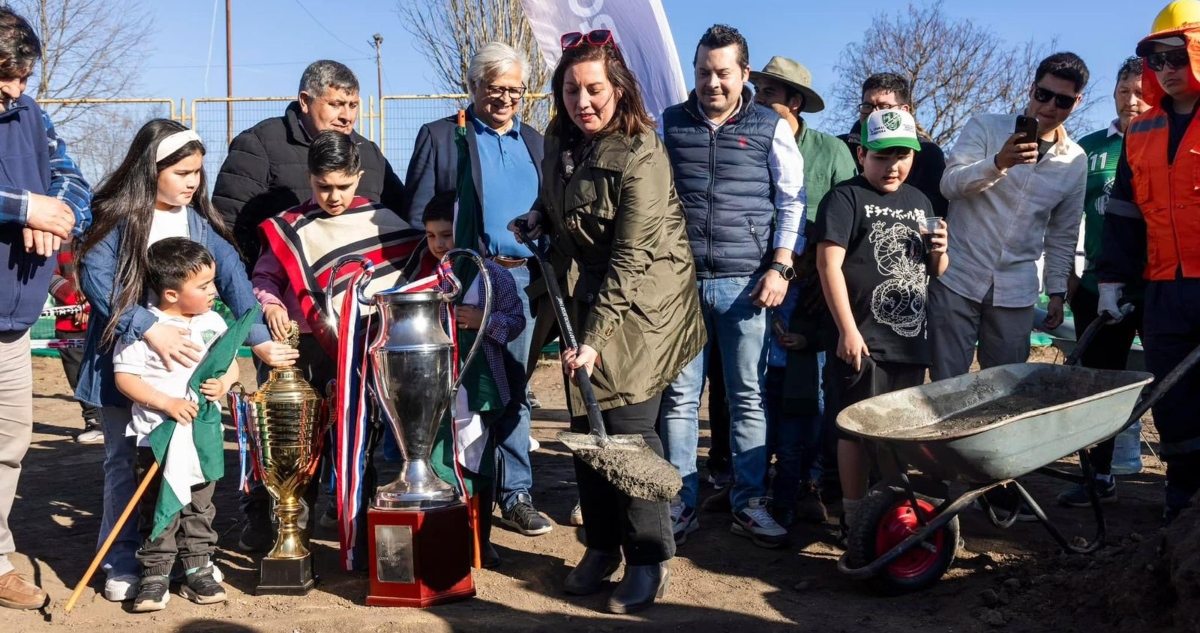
(1103, 149)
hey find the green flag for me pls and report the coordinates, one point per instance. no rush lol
(184, 458)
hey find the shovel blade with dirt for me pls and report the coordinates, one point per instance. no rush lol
(625, 461)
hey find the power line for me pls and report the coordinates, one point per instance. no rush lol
(331, 33)
(296, 63)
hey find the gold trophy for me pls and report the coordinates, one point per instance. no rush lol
(286, 424)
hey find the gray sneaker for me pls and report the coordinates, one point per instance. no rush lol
(525, 518)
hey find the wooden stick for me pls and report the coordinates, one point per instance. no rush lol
(477, 561)
(112, 536)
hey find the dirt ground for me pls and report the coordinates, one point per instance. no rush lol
(720, 582)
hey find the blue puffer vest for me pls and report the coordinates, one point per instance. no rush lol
(724, 181)
(26, 165)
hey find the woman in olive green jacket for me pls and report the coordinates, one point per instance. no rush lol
(608, 202)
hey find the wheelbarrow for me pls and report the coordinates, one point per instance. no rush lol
(992, 426)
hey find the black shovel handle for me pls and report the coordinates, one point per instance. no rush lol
(564, 324)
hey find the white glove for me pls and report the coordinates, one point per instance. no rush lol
(1109, 295)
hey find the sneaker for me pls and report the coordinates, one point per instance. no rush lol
(683, 522)
(785, 517)
(810, 509)
(121, 587)
(258, 535)
(202, 588)
(178, 575)
(1078, 497)
(18, 593)
(525, 518)
(91, 433)
(755, 522)
(576, 517)
(719, 478)
(534, 444)
(152, 595)
(534, 403)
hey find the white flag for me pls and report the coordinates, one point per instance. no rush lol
(640, 29)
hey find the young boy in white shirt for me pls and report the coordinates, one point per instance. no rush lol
(181, 277)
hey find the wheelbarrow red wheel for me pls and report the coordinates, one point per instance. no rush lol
(885, 519)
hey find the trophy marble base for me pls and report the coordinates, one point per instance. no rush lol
(285, 577)
(419, 558)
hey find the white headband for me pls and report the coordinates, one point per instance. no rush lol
(172, 143)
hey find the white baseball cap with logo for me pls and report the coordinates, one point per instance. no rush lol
(885, 129)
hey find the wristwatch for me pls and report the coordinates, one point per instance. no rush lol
(1060, 295)
(786, 271)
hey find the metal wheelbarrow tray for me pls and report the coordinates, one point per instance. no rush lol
(999, 423)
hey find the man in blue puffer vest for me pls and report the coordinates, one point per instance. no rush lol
(44, 201)
(740, 177)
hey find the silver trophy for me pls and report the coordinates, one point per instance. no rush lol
(413, 362)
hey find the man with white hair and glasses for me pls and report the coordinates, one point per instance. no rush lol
(506, 163)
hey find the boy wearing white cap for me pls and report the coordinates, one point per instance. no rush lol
(875, 266)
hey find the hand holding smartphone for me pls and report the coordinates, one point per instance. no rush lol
(1022, 147)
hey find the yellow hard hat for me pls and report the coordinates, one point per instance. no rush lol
(1172, 18)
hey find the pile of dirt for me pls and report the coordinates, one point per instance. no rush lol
(1143, 583)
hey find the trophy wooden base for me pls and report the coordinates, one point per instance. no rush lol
(285, 577)
(419, 558)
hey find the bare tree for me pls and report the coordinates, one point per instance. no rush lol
(447, 32)
(956, 68)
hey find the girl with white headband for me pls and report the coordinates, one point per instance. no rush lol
(158, 191)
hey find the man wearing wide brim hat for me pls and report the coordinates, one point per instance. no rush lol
(827, 161)
(786, 85)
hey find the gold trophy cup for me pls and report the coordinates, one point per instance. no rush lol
(286, 424)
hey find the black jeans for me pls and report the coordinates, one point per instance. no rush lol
(1109, 349)
(612, 518)
(190, 536)
(72, 358)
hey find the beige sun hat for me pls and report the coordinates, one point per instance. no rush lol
(793, 74)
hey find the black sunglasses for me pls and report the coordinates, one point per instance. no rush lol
(598, 37)
(1176, 59)
(1062, 102)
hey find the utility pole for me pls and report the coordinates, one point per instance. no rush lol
(228, 70)
(379, 79)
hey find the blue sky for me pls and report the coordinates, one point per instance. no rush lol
(273, 40)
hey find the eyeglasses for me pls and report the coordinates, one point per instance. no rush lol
(1176, 59)
(1062, 102)
(868, 108)
(514, 94)
(599, 37)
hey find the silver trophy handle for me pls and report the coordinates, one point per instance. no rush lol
(487, 305)
(330, 314)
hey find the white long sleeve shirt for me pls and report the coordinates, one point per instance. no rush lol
(1002, 221)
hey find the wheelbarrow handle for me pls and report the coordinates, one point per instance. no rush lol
(1159, 388)
(1085, 339)
(582, 379)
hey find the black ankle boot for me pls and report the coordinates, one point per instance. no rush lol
(640, 587)
(594, 569)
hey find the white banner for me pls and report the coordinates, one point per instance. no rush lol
(641, 32)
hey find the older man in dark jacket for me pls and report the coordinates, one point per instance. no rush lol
(506, 165)
(266, 171)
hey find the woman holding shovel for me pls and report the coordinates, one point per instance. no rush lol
(609, 204)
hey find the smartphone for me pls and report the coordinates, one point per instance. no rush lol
(1028, 127)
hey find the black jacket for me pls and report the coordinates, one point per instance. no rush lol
(433, 168)
(266, 173)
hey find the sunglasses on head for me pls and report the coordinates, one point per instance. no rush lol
(599, 37)
(1176, 59)
(1062, 102)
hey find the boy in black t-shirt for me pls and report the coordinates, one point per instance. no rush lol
(874, 269)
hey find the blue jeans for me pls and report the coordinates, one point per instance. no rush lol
(512, 428)
(119, 486)
(793, 439)
(679, 426)
(740, 329)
